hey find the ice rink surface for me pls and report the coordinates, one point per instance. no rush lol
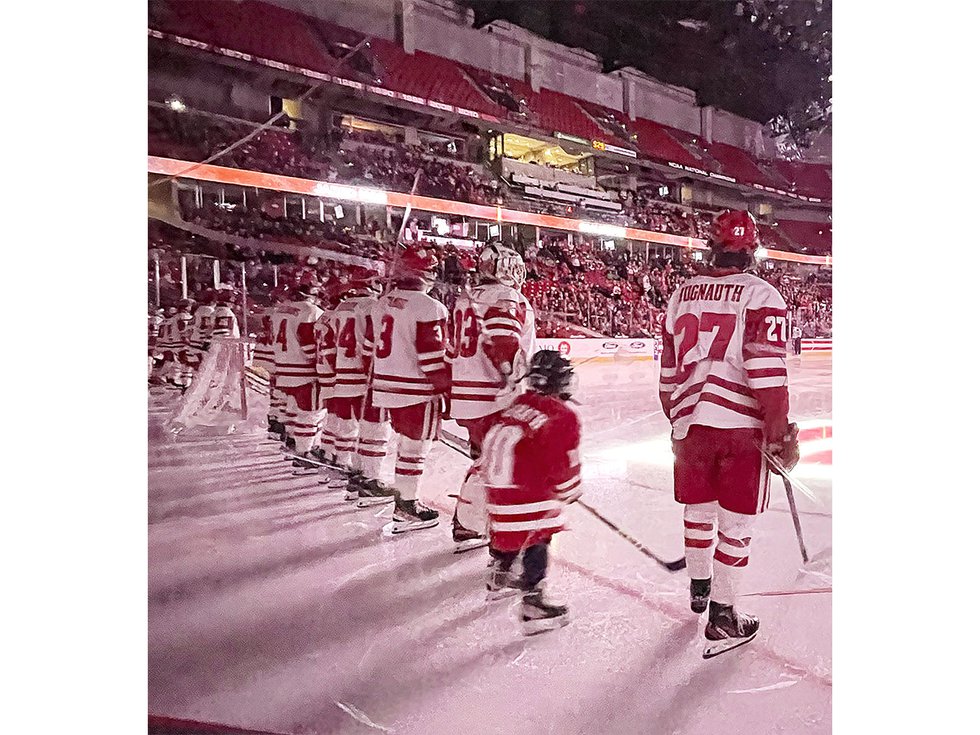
(274, 604)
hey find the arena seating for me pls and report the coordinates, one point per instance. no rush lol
(737, 163)
(655, 141)
(815, 237)
(430, 77)
(252, 27)
(256, 28)
(808, 179)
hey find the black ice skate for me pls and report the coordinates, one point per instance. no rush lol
(500, 583)
(373, 492)
(700, 594)
(351, 483)
(538, 616)
(727, 629)
(465, 539)
(410, 515)
(335, 479)
(302, 467)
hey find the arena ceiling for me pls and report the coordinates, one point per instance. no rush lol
(760, 59)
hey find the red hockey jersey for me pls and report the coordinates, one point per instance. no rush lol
(293, 344)
(407, 343)
(492, 324)
(724, 355)
(531, 469)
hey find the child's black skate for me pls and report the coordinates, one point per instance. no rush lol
(537, 616)
(465, 539)
(727, 629)
(700, 594)
(500, 582)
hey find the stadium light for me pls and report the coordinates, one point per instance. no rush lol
(175, 103)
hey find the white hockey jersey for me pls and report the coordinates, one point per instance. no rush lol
(202, 325)
(492, 324)
(350, 328)
(225, 322)
(293, 345)
(406, 340)
(184, 331)
(326, 354)
(263, 356)
(724, 358)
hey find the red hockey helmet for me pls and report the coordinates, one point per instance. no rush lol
(363, 279)
(734, 231)
(415, 262)
(307, 284)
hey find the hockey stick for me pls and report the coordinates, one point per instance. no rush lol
(670, 566)
(777, 467)
(796, 516)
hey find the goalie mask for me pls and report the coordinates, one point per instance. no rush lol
(499, 263)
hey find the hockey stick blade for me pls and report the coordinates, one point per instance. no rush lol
(671, 566)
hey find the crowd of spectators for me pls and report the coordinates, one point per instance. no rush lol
(575, 286)
(395, 166)
(373, 158)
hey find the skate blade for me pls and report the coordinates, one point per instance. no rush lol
(543, 625)
(368, 502)
(395, 528)
(305, 471)
(351, 496)
(503, 594)
(470, 544)
(716, 648)
(334, 483)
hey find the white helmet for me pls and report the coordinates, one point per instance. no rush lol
(501, 264)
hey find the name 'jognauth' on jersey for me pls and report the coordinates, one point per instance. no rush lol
(724, 355)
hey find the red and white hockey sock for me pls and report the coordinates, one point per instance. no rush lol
(700, 521)
(372, 446)
(346, 441)
(328, 435)
(731, 555)
(304, 430)
(409, 465)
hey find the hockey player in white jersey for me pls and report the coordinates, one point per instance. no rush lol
(201, 326)
(295, 363)
(225, 321)
(183, 368)
(492, 338)
(264, 359)
(410, 376)
(724, 388)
